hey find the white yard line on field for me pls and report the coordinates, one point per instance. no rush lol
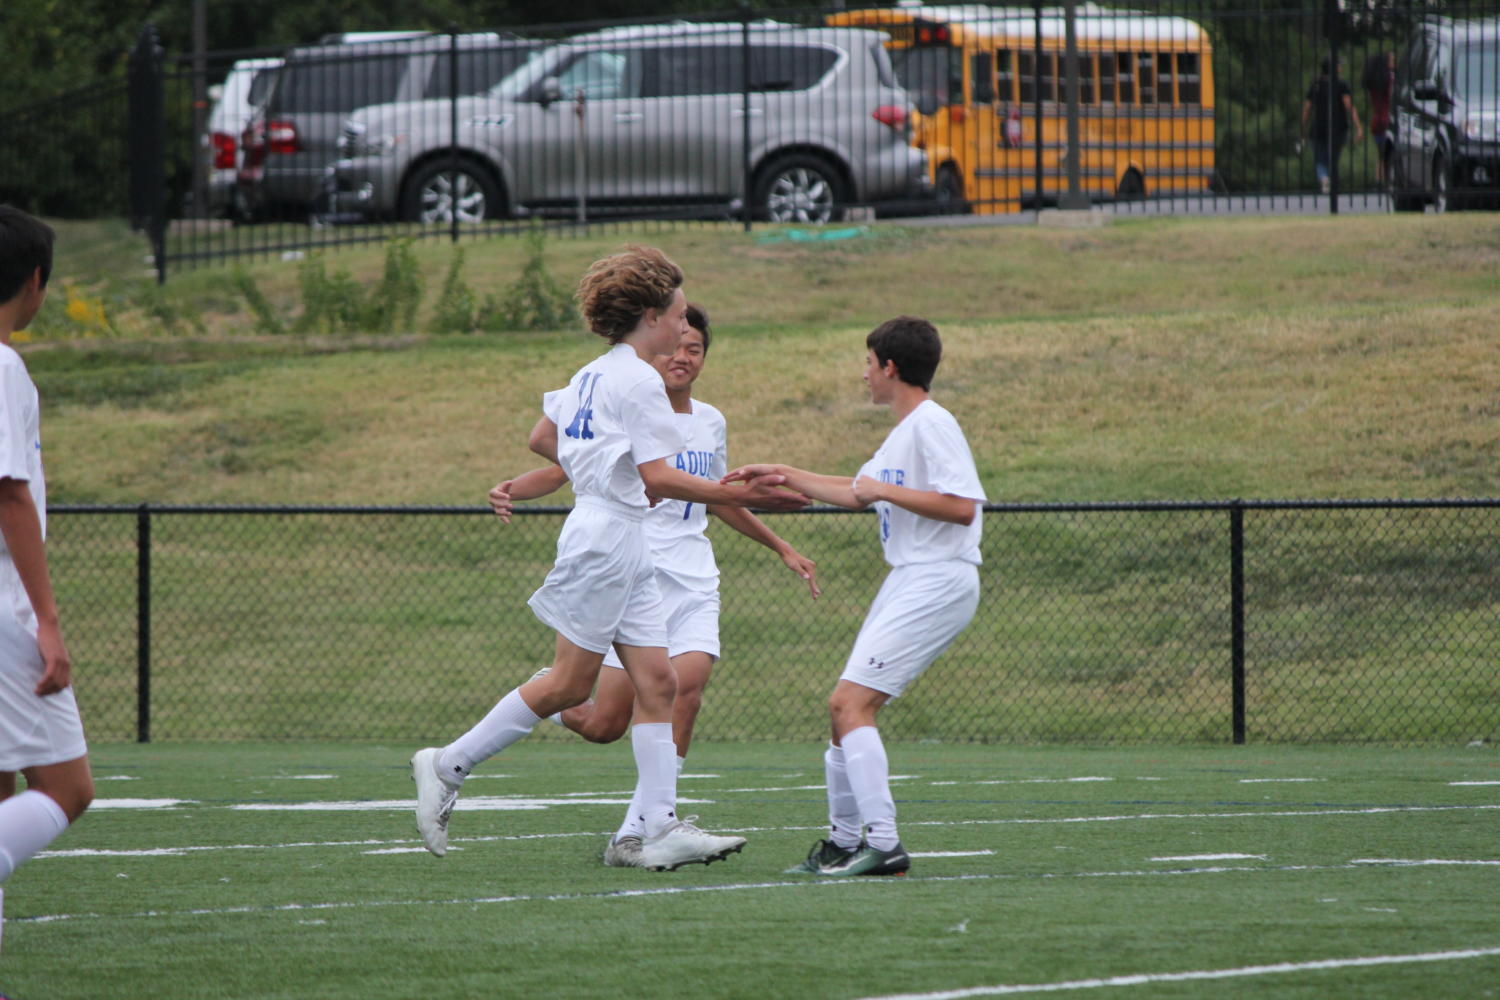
(1147, 978)
(608, 895)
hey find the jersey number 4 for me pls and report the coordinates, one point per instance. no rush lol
(579, 428)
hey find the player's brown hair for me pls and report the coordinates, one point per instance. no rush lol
(617, 290)
(912, 343)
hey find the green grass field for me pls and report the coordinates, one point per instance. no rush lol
(265, 872)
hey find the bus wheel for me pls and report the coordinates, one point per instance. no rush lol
(1132, 187)
(949, 192)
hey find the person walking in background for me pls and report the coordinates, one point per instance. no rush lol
(923, 484)
(1329, 106)
(686, 573)
(41, 733)
(611, 431)
(1379, 82)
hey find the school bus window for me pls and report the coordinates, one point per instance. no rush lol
(1166, 80)
(1126, 77)
(1145, 67)
(1189, 80)
(1087, 75)
(1026, 77)
(1047, 79)
(982, 78)
(1005, 75)
(1107, 89)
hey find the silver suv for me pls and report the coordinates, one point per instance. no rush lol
(659, 119)
(294, 135)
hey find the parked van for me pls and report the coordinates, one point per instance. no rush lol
(1447, 117)
(294, 135)
(650, 120)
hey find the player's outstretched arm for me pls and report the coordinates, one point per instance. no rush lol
(837, 490)
(22, 530)
(526, 486)
(765, 493)
(927, 503)
(754, 528)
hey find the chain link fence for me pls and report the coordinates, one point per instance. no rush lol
(1100, 623)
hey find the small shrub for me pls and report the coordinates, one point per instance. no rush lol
(330, 303)
(456, 305)
(266, 320)
(394, 301)
(534, 301)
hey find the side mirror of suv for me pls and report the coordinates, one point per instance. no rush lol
(550, 93)
(1428, 90)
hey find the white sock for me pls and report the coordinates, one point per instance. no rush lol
(843, 809)
(509, 721)
(28, 822)
(681, 762)
(656, 775)
(635, 821)
(869, 779)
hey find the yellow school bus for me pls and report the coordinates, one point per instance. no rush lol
(990, 86)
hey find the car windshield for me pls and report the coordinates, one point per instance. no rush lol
(1477, 69)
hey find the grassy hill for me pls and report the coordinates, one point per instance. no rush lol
(1168, 358)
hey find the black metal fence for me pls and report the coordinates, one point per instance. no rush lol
(1254, 621)
(793, 114)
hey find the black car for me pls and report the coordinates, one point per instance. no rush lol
(1447, 117)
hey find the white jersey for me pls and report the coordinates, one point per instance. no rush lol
(927, 451)
(675, 529)
(20, 458)
(612, 417)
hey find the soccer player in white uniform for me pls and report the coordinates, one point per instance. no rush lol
(923, 484)
(41, 735)
(686, 573)
(611, 431)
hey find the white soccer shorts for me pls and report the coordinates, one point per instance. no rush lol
(917, 614)
(34, 730)
(692, 621)
(602, 588)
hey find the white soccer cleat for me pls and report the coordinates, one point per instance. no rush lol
(682, 843)
(435, 800)
(623, 853)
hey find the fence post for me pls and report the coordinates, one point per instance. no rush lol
(453, 132)
(143, 624)
(1237, 619)
(146, 125)
(747, 208)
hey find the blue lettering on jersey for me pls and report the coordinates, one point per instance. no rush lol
(898, 478)
(579, 427)
(694, 463)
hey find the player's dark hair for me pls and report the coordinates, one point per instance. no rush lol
(697, 318)
(25, 245)
(910, 342)
(1373, 79)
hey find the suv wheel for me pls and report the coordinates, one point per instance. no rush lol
(1402, 198)
(439, 190)
(799, 188)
